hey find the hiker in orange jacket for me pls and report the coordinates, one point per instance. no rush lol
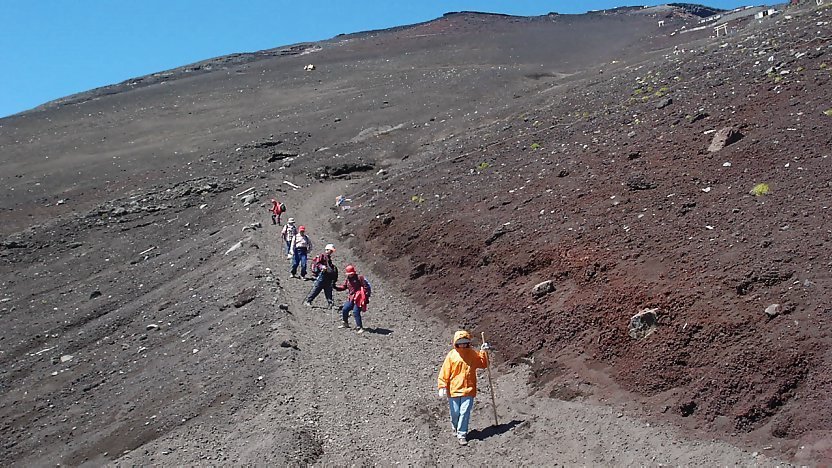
(458, 381)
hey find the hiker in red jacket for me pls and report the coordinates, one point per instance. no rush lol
(277, 209)
(359, 291)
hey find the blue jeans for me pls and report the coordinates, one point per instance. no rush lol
(356, 312)
(288, 247)
(322, 283)
(460, 414)
(299, 259)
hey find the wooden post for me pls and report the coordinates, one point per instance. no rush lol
(491, 384)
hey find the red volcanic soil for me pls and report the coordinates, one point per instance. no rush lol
(606, 186)
(147, 318)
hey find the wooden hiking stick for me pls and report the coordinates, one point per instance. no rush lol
(491, 384)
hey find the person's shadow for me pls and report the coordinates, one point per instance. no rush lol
(489, 431)
(379, 331)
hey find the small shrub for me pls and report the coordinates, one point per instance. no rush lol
(483, 166)
(759, 190)
(828, 112)
(535, 146)
(417, 199)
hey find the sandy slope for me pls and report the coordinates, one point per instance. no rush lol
(349, 399)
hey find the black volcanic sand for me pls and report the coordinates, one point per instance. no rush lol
(514, 150)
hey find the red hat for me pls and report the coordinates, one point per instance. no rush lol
(302, 229)
(350, 270)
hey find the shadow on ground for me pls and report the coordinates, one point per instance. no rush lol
(492, 430)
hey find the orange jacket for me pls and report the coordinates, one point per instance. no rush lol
(459, 371)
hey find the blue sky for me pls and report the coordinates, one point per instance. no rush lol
(54, 48)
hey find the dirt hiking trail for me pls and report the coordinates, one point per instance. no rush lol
(345, 399)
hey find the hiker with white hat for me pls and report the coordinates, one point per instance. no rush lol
(458, 381)
(301, 245)
(325, 274)
(287, 234)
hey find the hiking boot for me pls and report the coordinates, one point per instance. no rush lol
(307, 304)
(360, 330)
(462, 441)
(344, 325)
(288, 256)
(330, 305)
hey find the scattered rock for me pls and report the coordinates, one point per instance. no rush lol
(152, 326)
(640, 182)
(283, 306)
(499, 232)
(290, 343)
(664, 103)
(724, 137)
(687, 409)
(66, 357)
(249, 199)
(253, 227)
(544, 288)
(95, 294)
(643, 323)
(244, 297)
(234, 247)
(773, 310)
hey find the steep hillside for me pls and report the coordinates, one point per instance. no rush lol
(607, 188)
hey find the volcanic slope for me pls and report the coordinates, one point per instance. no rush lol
(608, 187)
(140, 318)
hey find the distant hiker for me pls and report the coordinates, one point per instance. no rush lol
(358, 297)
(325, 275)
(287, 234)
(301, 245)
(458, 381)
(277, 209)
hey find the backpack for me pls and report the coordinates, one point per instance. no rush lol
(291, 231)
(282, 207)
(316, 265)
(368, 289)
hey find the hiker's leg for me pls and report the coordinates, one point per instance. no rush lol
(295, 261)
(453, 407)
(345, 311)
(273, 221)
(288, 247)
(356, 313)
(466, 405)
(316, 289)
(303, 263)
(327, 286)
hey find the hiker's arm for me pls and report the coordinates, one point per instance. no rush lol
(483, 359)
(444, 374)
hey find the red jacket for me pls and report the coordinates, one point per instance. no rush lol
(358, 292)
(276, 208)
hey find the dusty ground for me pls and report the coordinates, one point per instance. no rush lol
(129, 335)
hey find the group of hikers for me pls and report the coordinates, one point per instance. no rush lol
(324, 273)
(457, 380)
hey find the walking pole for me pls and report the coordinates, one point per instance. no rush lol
(491, 385)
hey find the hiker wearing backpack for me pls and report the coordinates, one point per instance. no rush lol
(287, 234)
(277, 209)
(458, 381)
(325, 274)
(301, 245)
(358, 297)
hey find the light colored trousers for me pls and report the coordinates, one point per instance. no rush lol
(460, 414)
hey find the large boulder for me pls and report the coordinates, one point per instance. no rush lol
(724, 137)
(643, 323)
(544, 288)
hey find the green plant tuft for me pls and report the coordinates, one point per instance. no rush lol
(483, 166)
(535, 146)
(759, 190)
